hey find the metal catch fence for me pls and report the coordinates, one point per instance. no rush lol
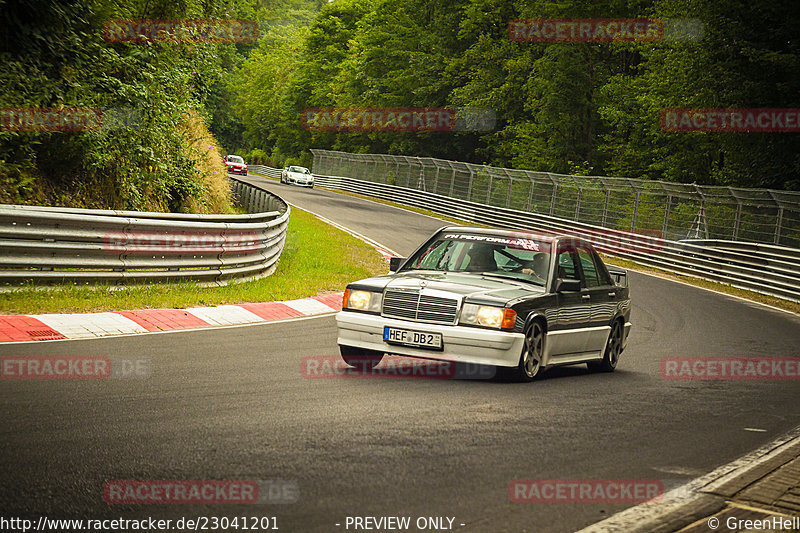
(678, 211)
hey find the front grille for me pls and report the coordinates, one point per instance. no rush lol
(413, 305)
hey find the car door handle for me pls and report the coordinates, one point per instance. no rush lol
(586, 296)
(612, 294)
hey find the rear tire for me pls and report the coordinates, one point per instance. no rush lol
(612, 352)
(359, 357)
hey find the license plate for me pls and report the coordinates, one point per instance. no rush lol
(407, 337)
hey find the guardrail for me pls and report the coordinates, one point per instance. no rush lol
(677, 210)
(773, 270)
(265, 171)
(40, 245)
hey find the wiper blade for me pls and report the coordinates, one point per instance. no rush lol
(525, 280)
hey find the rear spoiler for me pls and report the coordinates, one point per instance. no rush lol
(619, 275)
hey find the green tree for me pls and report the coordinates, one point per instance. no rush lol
(748, 58)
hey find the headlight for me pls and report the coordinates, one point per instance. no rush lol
(361, 300)
(488, 316)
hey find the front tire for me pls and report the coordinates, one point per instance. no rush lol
(530, 360)
(359, 357)
(613, 350)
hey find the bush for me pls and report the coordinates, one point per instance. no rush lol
(163, 160)
(257, 156)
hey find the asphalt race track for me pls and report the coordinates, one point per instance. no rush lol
(231, 404)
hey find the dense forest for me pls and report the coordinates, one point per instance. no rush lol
(168, 100)
(570, 107)
(576, 107)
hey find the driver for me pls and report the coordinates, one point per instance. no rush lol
(481, 259)
(539, 266)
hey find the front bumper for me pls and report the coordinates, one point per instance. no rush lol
(299, 182)
(461, 344)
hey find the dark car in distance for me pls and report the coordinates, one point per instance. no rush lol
(516, 301)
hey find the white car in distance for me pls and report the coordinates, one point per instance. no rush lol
(297, 175)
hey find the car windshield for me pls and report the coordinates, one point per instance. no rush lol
(521, 258)
(235, 159)
(301, 170)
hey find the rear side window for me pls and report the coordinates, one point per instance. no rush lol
(602, 271)
(588, 267)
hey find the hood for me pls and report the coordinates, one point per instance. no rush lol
(474, 287)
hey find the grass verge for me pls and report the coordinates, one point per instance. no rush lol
(316, 259)
(786, 305)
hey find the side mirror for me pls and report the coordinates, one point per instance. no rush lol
(567, 285)
(395, 262)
